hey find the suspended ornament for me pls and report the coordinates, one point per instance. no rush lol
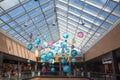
(73, 40)
(45, 37)
(28, 62)
(66, 69)
(63, 61)
(45, 44)
(53, 47)
(74, 53)
(56, 48)
(50, 61)
(31, 35)
(68, 50)
(36, 53)
(44, 57)
(63, 45)
(43, 70)
(65, 35)
(52, 70)
(63, 51)
(50, 44)
(80, 34)
(73, 60)
(50, 54)
(37, 41)
(29, 47)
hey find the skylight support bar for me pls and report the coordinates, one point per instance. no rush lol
(92, 22)
(74, 26)
(23, 13)
(88, 12)
(94, 5)
(45, 20)
(22, 21)
(14, 21)
(30, 18)
(12, 29)
(87, 26)
(55, 10)
(102, 23)
(14, 7)
(99, 13)
(18, 5)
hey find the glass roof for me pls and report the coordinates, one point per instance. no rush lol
(94, 18)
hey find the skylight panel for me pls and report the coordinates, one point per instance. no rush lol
(4, 17)
(16, 11)
(5, 27)
(112, 18)
(6, 4)
(30, 4)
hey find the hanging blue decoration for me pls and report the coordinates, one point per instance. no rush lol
(45, 37)
(44, 57)
(66, 69)
(65, 35)
(52, 70)
(74, 53)
(68, 50)
(56, 48)
(73, 60)
(63, 45)
(50, 54)
(50, 60)
(63, 51)
(28, 62)
(53, 47)
(37, 41)
(30, 46)
(63, 61)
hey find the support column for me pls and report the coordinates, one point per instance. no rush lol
(1, 62)
(19, 70)
(115, 65)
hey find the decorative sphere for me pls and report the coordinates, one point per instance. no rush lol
(73, 60)
(30, 46)
(45, 45)
(28, 61)
(66, 68)
(63, 61)
(50, 60)
(74, 53)
(56, 48)
(63, 45)
(52, 70)
(65, 35)
(43, 69)
(45, 37)
(68, 50)
(50, 54)
(37, 41)
(53, 47)
(50, 44)
(80, 34)
(44, 57)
